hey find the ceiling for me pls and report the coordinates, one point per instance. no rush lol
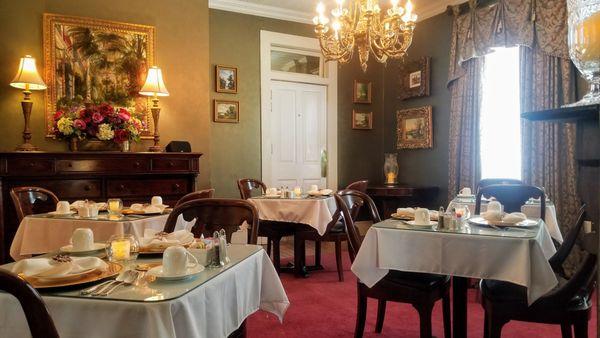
(303, 10)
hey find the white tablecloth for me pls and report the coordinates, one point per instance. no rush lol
(315, 212)
(214, 309)
(531, 210)
(523, 261)
(38, 235)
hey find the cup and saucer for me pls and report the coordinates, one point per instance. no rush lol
(465, 193)
(83, 243)
(422, 219)
(177, 264)
(63, 208)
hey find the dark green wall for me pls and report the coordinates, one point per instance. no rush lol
(424, 166)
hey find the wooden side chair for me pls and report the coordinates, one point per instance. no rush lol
(493, 181)
(32, 200)
(213, 214)
(273, 231)
(200, 194)
(559, 257)
(421, 290)
(512, 196)
(359, 186)
(38, 319)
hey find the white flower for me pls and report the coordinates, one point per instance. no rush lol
(65, 126)
(105, 132)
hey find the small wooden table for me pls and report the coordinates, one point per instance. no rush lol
(390, 197)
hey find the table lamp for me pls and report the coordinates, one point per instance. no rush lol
(27, 78)
(155, 87)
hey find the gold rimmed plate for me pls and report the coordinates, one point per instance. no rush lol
(528, 223)
(85, 278)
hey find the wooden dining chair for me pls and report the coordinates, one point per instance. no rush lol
(359, 186)
(38, 319)
(213, 214)
(32, 200)
(569, 305)
(272, 230)
(421, 290)
(494, 181)
(557, 260)
(200, 194)
(512, 197)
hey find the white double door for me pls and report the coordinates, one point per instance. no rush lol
(298, 135)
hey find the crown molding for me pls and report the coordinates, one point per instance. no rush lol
(273, 12)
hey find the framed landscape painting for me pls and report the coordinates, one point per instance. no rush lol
(362, 91)
(414, 128)
(362, 120)
(226, 79)
(95, 61)
(226, 111)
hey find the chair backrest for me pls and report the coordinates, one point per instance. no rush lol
(248, 185)
(196, 195)
(359, 185)
(582, 281)
(214, 214)
(347, 200)
(39, 320)
(559, 257)
(32, 200)
(494, 181)
(512, 196)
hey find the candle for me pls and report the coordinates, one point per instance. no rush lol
(391, 177)
(114, 206)
(120, 249)
(587, 38)
(298, 191)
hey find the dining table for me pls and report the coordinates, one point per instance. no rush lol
(301, 213)
(214, 303)
(513, 254)
(42, 233)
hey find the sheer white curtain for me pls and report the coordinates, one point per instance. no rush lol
(500, 127)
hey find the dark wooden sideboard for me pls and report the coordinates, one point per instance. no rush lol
(133, 177)
(389, 198)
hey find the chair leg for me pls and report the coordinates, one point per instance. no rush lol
(276, 253)
(380, 315)
(447, 316)
(581, 329)
(425, 319)
(350, 251)
(361, 313)
(269, 246)
(317, 253)
(566, 330)
(338, 259)
(494, 326)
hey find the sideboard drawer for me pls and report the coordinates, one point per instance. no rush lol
(125, 188)
(105, 166)
(170, 164)
(75, 189)
(30, 167)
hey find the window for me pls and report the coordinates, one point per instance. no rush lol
(284, 60)
(500, 125)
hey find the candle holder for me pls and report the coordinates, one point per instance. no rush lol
(114, 206)
(390, 169)
(122, 248)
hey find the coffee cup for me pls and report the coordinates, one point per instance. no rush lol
(176, 260)
(314, 187)
(156, 200)
(63, 207)
(82, 239)
(422, 216)
(466, 191)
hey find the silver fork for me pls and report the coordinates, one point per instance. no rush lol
(96, 287)
(129, 278)
(120, 278)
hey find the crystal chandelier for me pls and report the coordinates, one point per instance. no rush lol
(362, 24)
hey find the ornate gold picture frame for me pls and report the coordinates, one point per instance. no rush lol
(96, 61)
(226, 79)
(226, 111)
(362, 91)
(414, 128)
(362, 120)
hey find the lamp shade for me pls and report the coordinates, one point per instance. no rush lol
(154, 83)
(28, 76)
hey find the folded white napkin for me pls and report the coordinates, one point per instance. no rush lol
(159, 240)
(148, 209)
(46, 267)
(80, 204)
(492, 215)
(514, 217)
(325, 192)
(405, 212)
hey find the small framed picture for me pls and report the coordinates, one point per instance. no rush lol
(362, 120)
(226, 111)
(226, 79)
(414, 128)
(362, 91)
(414, 78)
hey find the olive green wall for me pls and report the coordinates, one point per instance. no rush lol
(181, 51)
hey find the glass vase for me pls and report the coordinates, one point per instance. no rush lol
(584, 45)
(390, 169)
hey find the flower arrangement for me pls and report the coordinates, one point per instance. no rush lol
(103, 122)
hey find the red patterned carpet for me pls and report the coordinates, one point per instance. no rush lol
(323, 307)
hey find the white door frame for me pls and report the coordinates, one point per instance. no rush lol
(329, 79)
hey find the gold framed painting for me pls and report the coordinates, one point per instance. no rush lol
(362, 120)
(226, 111)
(226, 79)
(414, 128)
(88, 60)
(362, 91)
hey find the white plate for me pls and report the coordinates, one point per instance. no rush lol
(402, 217)
(157, 272)
(69, 249)
(528, 223)
(56, 213)
(431, 223)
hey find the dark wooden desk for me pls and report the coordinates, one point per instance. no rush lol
(97, 176)
(389, 198)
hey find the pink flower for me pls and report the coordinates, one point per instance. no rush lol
(97, 117)
(124, 114)
(79, 124)
(58, 114)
